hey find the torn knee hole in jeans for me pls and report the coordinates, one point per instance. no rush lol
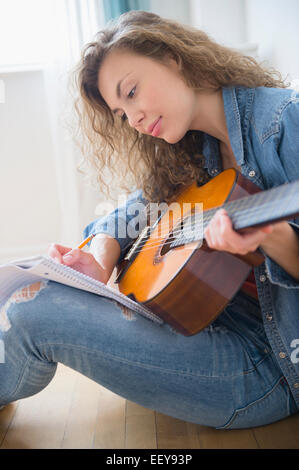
(127, 313)
(24, 294)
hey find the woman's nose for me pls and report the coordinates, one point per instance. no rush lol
(135, 119)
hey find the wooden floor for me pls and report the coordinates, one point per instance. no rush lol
(75, 413)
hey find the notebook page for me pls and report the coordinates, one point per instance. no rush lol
(50, 269)
(20, 273)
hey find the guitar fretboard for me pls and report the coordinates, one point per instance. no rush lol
(261, 208)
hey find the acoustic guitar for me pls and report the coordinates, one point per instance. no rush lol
(171, 270)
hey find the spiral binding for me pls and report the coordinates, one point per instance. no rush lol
(86, 281)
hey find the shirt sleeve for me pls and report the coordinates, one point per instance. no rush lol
(124, 223)
(288, 143)
(288, 154)
(276, 274)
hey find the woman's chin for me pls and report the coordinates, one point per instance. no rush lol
(171, 139)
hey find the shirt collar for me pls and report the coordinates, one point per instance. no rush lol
(237, 109)
(233, 122)
(211, 153)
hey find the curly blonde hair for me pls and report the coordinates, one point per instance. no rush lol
(136, 160)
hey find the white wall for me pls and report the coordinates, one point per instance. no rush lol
(174, 9)
(29, 208)
(272, 25)
(223, 20)
(275, 26)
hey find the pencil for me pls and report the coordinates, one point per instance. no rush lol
(82, 244)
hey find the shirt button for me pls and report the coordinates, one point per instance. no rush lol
(263, 278)
(282, 355)
(269, 317)
(252, 173)
(296, 385)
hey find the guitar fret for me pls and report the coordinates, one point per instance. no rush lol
(266, 199)
(260, 207)
(266, 211)
(258, 216)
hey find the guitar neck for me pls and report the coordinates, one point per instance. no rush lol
(268, 206)
(262, 208)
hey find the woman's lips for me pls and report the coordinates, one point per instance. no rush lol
(155, 127)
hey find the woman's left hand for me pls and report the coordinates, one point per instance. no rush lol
(220, 235)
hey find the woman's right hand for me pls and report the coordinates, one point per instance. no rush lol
(79, 260)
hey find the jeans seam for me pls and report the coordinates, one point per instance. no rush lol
(28, 360)
(153, 367)
(237, 412)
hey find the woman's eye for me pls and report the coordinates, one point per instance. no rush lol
(130, 95)
(132, 92)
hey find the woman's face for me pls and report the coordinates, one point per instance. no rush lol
(152, 96)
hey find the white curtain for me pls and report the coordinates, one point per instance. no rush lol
(76, 22)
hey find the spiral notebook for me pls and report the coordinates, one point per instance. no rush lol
(20, 273)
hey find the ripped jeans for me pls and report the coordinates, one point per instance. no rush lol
(226, 376)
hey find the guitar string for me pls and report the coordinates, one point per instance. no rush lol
(232, 207)
(208, 215)
(186, 232)
(235, 205)
(152, 244)
(233, 211)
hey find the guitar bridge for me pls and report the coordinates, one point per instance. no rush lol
(133, 252)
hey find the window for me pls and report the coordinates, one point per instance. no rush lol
(26, 31)
(33, 32)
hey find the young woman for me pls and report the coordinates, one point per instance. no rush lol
(163, 103)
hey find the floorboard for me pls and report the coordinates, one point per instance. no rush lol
(74, 412)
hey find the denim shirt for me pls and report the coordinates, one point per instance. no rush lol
(263, 127)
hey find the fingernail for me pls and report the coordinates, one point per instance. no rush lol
(68, 256)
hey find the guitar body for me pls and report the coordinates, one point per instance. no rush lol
(188, 286)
